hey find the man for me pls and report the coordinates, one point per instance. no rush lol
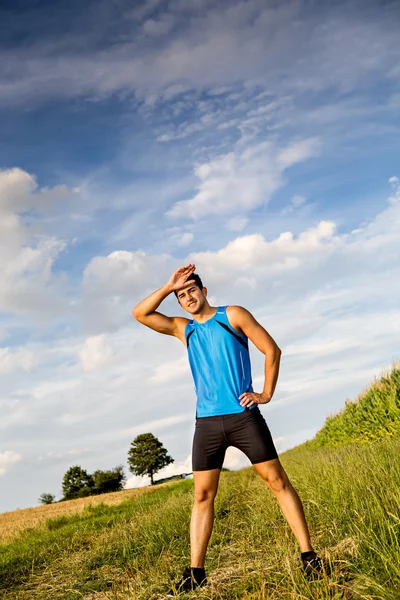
(227, 412)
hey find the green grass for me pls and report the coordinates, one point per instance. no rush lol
(135, 549)
(374, 415)
(351, 495)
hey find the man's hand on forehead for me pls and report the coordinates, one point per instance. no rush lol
(181, 277)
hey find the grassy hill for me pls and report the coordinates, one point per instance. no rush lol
(132, 544)
(374, 415)
(132, 550)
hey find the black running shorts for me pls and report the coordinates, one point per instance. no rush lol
(247, 431)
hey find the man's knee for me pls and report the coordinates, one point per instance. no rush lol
(204, 495)
(277, 481)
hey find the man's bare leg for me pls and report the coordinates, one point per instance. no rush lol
(201, 524)
(275, 477)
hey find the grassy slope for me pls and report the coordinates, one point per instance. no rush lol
(374, 415)
(352, 501)
(13, 523)
(351, 495)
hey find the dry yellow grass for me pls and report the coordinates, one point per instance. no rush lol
(12, 523)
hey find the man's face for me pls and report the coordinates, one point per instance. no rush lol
(191, 298)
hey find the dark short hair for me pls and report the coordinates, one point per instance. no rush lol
(196, 280)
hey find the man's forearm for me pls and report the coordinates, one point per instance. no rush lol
(272, 361)
(152, 302)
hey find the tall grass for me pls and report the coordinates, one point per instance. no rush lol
(374, 415)
(134, 550)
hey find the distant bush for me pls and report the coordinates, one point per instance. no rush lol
(374, 415)
(77, 483)
(109, 481)
(46, 498)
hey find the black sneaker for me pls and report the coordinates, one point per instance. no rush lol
(312, 565)
(190, 580)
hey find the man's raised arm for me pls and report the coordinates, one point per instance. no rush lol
(145, 311)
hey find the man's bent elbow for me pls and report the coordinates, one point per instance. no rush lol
(273, 352)
(137, 314)
(277, 353)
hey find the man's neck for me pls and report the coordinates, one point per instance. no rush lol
(207, 313)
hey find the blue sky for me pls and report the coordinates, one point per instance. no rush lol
(259, 140)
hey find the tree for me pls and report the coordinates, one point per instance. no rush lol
(77, 483)
(147, 455)
(109, 481)
(46, 498)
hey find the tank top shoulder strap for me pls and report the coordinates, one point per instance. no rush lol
(189, 327)
(221, 314)
(222, 317)
(189, 330)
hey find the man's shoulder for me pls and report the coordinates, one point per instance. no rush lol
(234, 309)
(237, 316)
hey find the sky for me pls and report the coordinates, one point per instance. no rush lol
(257, 139)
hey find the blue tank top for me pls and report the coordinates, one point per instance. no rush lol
(220, 363)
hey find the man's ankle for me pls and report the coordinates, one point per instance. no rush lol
(198, 573)
(308, 554)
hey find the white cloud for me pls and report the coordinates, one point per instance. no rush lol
(298, 152)
(158, 27)
(168, 371)
(295, 202)
(159, 424)
(284, 47)
(95, 353)
(265, 109)
(111, 285)
(136, 481)
(251, 252)
(243, 179)
(235, 459)
(237, 223)
(28, 284)
(312, 290)
(227, 124)
(298, 200)
(146, 8)
(54, 387)
(7, 461)
(183, 130)
(69, 454)
(16, 360)
(182, 239)
(121, 273)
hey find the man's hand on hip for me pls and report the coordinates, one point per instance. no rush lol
(250, 398)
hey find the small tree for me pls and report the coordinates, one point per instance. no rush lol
(147, 455)
(77, 483)
(109, 481)
(46, 498)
